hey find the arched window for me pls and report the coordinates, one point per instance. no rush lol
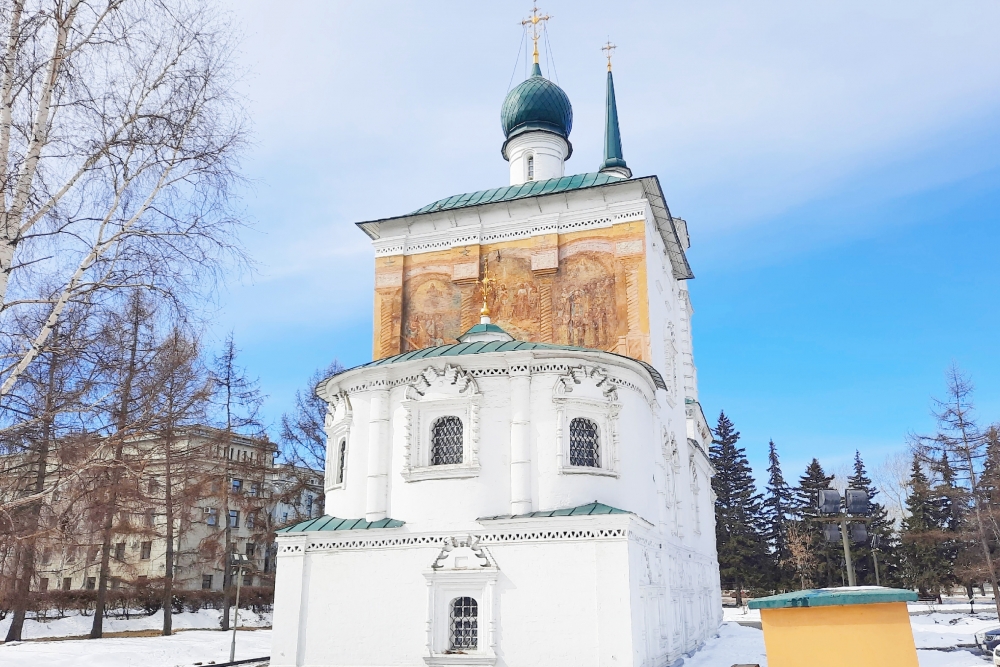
(341, 460)
(584, 443)
(464, 624)
(446, 441)
(531, 167)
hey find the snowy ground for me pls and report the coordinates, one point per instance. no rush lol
(181, 650)
(734, 644)
(76, 625)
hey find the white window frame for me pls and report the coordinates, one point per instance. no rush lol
(456, 574)
(588, 393)
(447, 393)
(339, 417)
(530, 167)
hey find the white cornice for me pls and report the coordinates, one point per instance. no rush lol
(470, 229)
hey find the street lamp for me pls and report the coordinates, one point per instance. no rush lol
(239, 562)
(856, 509)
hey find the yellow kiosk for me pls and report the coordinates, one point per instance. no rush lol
(860, 626)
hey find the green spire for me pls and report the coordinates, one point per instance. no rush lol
(614, 161)
(536, 70)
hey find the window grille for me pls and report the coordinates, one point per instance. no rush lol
(341, 460)
(446, 441)
(584, 443)
(531, 167)
(464, 624)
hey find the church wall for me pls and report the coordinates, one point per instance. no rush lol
(379, 614)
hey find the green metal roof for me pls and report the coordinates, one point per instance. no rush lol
(829, 597)
(581, 510)
(327, 522)
(484, 328)
(511, 192)
(536, 104)
(485, 347)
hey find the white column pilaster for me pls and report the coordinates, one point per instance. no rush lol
(379, 445)
(288, 634)
(520, 438)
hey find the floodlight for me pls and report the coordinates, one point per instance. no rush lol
(829, 501)
(857, 502)
(859, 533)
(831, 532)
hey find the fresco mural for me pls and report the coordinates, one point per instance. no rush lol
(432, 312)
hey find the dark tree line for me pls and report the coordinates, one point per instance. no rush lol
(948, 537)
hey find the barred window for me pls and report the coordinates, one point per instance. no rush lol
(584, 443)
(341, 460)
(531, 167)
(446, 441)
(464, 624)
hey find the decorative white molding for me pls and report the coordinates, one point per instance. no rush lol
(337, 426)
(475, 232)
(588, 392)
(433, 394)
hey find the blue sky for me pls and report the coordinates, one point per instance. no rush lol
(838, 168)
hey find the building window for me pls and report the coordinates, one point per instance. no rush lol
(144, 550)
(116, 583)
(309, 505)
(464, 624)
(206, 582)
(251, 519)
(43, 584)
(150, 518)
(254, 489)
(446, 441)
(46, 555)
(284, 517)
(142, 580)
(120, 551)
(237, 485)
(584, 443)
(67, 583)
(211, 516)
(531, 167)
(341, 460)
(91, 583)
(234, 518)
(250, 549)
(248, 580)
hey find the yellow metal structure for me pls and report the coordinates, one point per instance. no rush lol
(870, 634)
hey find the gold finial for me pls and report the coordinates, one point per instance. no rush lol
(534, 19)
(484, 282)
(609, 47)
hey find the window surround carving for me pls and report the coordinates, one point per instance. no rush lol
(337, 425)
(435, 394)
(587, 392)
(463, 568)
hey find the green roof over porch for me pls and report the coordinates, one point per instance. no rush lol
(327, 522)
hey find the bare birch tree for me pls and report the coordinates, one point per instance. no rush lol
(960, 441)
(119, 135)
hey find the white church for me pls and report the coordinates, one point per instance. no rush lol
(520, 477)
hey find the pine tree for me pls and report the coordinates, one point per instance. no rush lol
(925, 563)
(827, 555)
(778, 505)
(879, 529)
(743, 558)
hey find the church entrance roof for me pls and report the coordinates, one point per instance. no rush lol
(327, 522)
(461, 349)
(581, 510)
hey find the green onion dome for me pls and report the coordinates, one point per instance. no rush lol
(537, 104)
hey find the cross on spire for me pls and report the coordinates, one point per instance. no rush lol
(608, 48)
(534, 20)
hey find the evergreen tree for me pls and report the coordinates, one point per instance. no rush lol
(778, 505)
(879, 529)
(743, 559)
(827, 555)
(926, 565)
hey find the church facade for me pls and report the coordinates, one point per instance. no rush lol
(520, 476)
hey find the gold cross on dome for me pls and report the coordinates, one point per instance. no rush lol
(609, 47)
(534, 20)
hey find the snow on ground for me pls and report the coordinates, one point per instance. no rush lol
(180, 650)
(76, 625)
(734, 645)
